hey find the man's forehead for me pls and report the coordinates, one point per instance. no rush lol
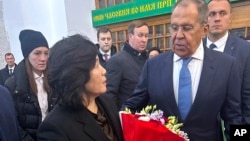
(104, 34)
(222, 4)
(9, 56)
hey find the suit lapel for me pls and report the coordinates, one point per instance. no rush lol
(205, 83)
(229, 47)
(111, 113)
(168, 81)
(90, 127)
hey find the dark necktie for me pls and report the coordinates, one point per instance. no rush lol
(10, 72)
(212, 46)
(185, 89)
(105, 57)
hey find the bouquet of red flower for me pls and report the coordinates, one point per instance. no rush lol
(150, 124)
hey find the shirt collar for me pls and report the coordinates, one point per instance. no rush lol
(36, 76)
(131, 50)
(198, 54)
(219, 43)
(109, 52)
(12, 67)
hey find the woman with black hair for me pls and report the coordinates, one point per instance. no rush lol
(153, 51)
(83, 113)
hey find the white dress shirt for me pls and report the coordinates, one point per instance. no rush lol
(42, 95)
(12, 69)
(220, 44)
(108, 53)
(195, 68)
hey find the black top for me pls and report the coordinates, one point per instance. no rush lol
(102, 121)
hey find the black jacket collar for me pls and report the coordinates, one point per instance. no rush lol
(132, 51)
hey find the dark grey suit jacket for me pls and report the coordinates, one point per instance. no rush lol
(240, 49)
(4, 74)
(218, 94)
(64, 124)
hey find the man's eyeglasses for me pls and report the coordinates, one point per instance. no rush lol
(184, 28)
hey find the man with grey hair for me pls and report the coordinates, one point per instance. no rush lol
(189, 82)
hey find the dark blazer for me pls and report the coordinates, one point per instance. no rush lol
(218, 94)
(240, 49)
(8, 122)
(64, 124)
(101, 60)
(4, 74)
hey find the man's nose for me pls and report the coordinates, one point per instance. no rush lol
(179, 33)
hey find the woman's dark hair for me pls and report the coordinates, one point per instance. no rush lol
(32, 80)
(70, 62)
(154, 48)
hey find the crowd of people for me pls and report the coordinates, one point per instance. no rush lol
(74, 89)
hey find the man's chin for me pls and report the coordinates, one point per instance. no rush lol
(217, 33)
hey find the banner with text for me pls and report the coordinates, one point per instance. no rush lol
(132, 10)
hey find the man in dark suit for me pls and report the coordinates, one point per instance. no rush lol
(124, 68)
(214, 85)
(105, 47)
(219, 21)
(8, 122)
(8, 70)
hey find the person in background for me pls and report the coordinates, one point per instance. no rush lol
(248, 38)
(153, 51)
(7, 72)
(219, 20)
(83, 113)
(242, 37)
(105, 47)
(8, 123)
(124, 68)
(29, 85)
(189, 81)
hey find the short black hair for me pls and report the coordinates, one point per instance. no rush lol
(8, 54)
(154, 48)
(102, 30)
(70, 62)
(224, 0)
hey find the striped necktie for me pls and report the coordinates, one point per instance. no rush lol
(105, 57)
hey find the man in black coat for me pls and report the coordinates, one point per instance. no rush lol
(8, 70)
(124, 68)
(105, 47)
